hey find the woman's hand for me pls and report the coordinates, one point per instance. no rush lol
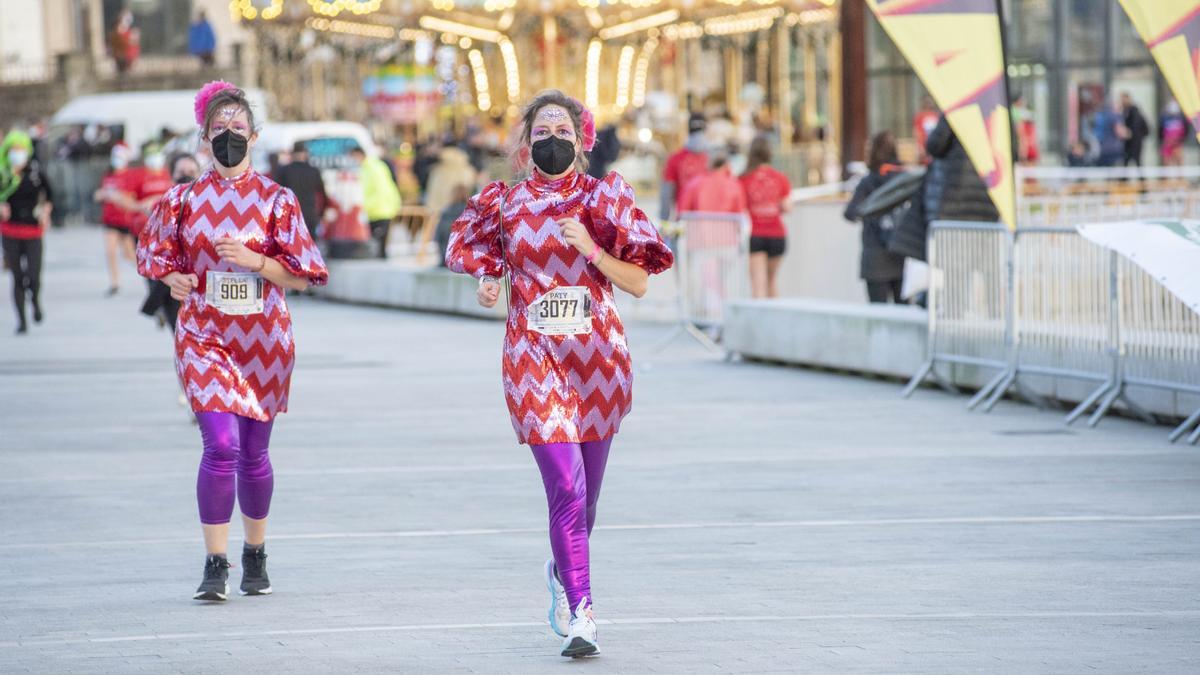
(488, 293)
(5, 211)
(181, 284)
(577, 235)
(44, 215)
(234, 251)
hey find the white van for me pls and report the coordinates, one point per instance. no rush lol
(141, 115)
(328, 144)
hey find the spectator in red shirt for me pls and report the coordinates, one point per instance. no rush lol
(116, 194)
(684, 165)
(716, 191)
(767, 192)
(923, 123)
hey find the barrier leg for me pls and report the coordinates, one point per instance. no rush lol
(1194, 437)
(1182, 428)
(987, 389)
(1105, 406)
(1088, 403)
(687, 328)
(922, 373)
(1010, 378)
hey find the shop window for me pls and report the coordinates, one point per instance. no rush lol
(162, 24)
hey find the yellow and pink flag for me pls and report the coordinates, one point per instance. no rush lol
(1171, 30)
(955, 47)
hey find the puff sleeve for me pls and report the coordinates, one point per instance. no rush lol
(159, 250)
(623, 229)
(474, 246)
(294, 247)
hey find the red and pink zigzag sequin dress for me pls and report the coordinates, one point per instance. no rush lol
(237, 364)
(561, 388)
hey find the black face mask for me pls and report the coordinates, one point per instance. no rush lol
(229, 148)
(553, 155)
(183, 179)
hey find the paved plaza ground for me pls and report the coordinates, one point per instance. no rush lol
(754, 519)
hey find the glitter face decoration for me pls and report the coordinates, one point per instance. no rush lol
(233, 118)
(552, 121)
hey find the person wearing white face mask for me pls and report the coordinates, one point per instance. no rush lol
(25, 208)
(118, 212)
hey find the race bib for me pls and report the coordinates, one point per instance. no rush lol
(562, 311)
(237, 293)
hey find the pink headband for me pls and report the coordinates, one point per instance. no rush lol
(589, 126)
(205, 95)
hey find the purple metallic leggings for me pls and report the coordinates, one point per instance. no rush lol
(233, 446)
(572, 473)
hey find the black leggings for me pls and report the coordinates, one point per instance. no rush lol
(24, 259)
(882, 291)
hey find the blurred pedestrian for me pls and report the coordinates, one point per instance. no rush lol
(124, 42)
(453, 169)
(716, 191)
(25, 211)
(1028, 151)
(305, 181)
(881, 269)
(1172, 134)
(449, 214)
(1110, 133)
(1136, 130)
(923, 124)
(202, 41)
(767, 196)
(682, 166)
(183, 170)
(234, 348)
(953, 189)
(608, 148)
(116, 196)
(565, 240)
(381, 196)
(1077, 155)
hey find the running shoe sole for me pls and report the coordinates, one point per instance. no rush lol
(265, 591)
(212, 596)
(580, 648)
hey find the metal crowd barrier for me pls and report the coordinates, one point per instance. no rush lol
(712, 262)
(970, 313)
(1045, 301)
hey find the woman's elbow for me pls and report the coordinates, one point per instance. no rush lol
(639, 287)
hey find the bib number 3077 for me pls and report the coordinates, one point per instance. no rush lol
(238, 293)
(562, 311)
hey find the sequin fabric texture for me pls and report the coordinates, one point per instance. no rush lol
(237, 364)
(560, 388)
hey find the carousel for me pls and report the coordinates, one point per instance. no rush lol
(408, 68)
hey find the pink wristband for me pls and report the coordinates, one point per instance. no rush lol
(595, 256)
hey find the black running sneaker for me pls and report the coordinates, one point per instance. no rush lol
(215, 586)
(254, 571)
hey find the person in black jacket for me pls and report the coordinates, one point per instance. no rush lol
(605, 152)
(882, 269)
(953, 188)
(305, 181)
(1136, 129)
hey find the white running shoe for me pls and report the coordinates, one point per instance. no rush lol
(581, 636)
(560, 609)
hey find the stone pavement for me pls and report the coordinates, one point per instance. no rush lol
(755, 518)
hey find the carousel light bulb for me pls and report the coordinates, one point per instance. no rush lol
(592, 76)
